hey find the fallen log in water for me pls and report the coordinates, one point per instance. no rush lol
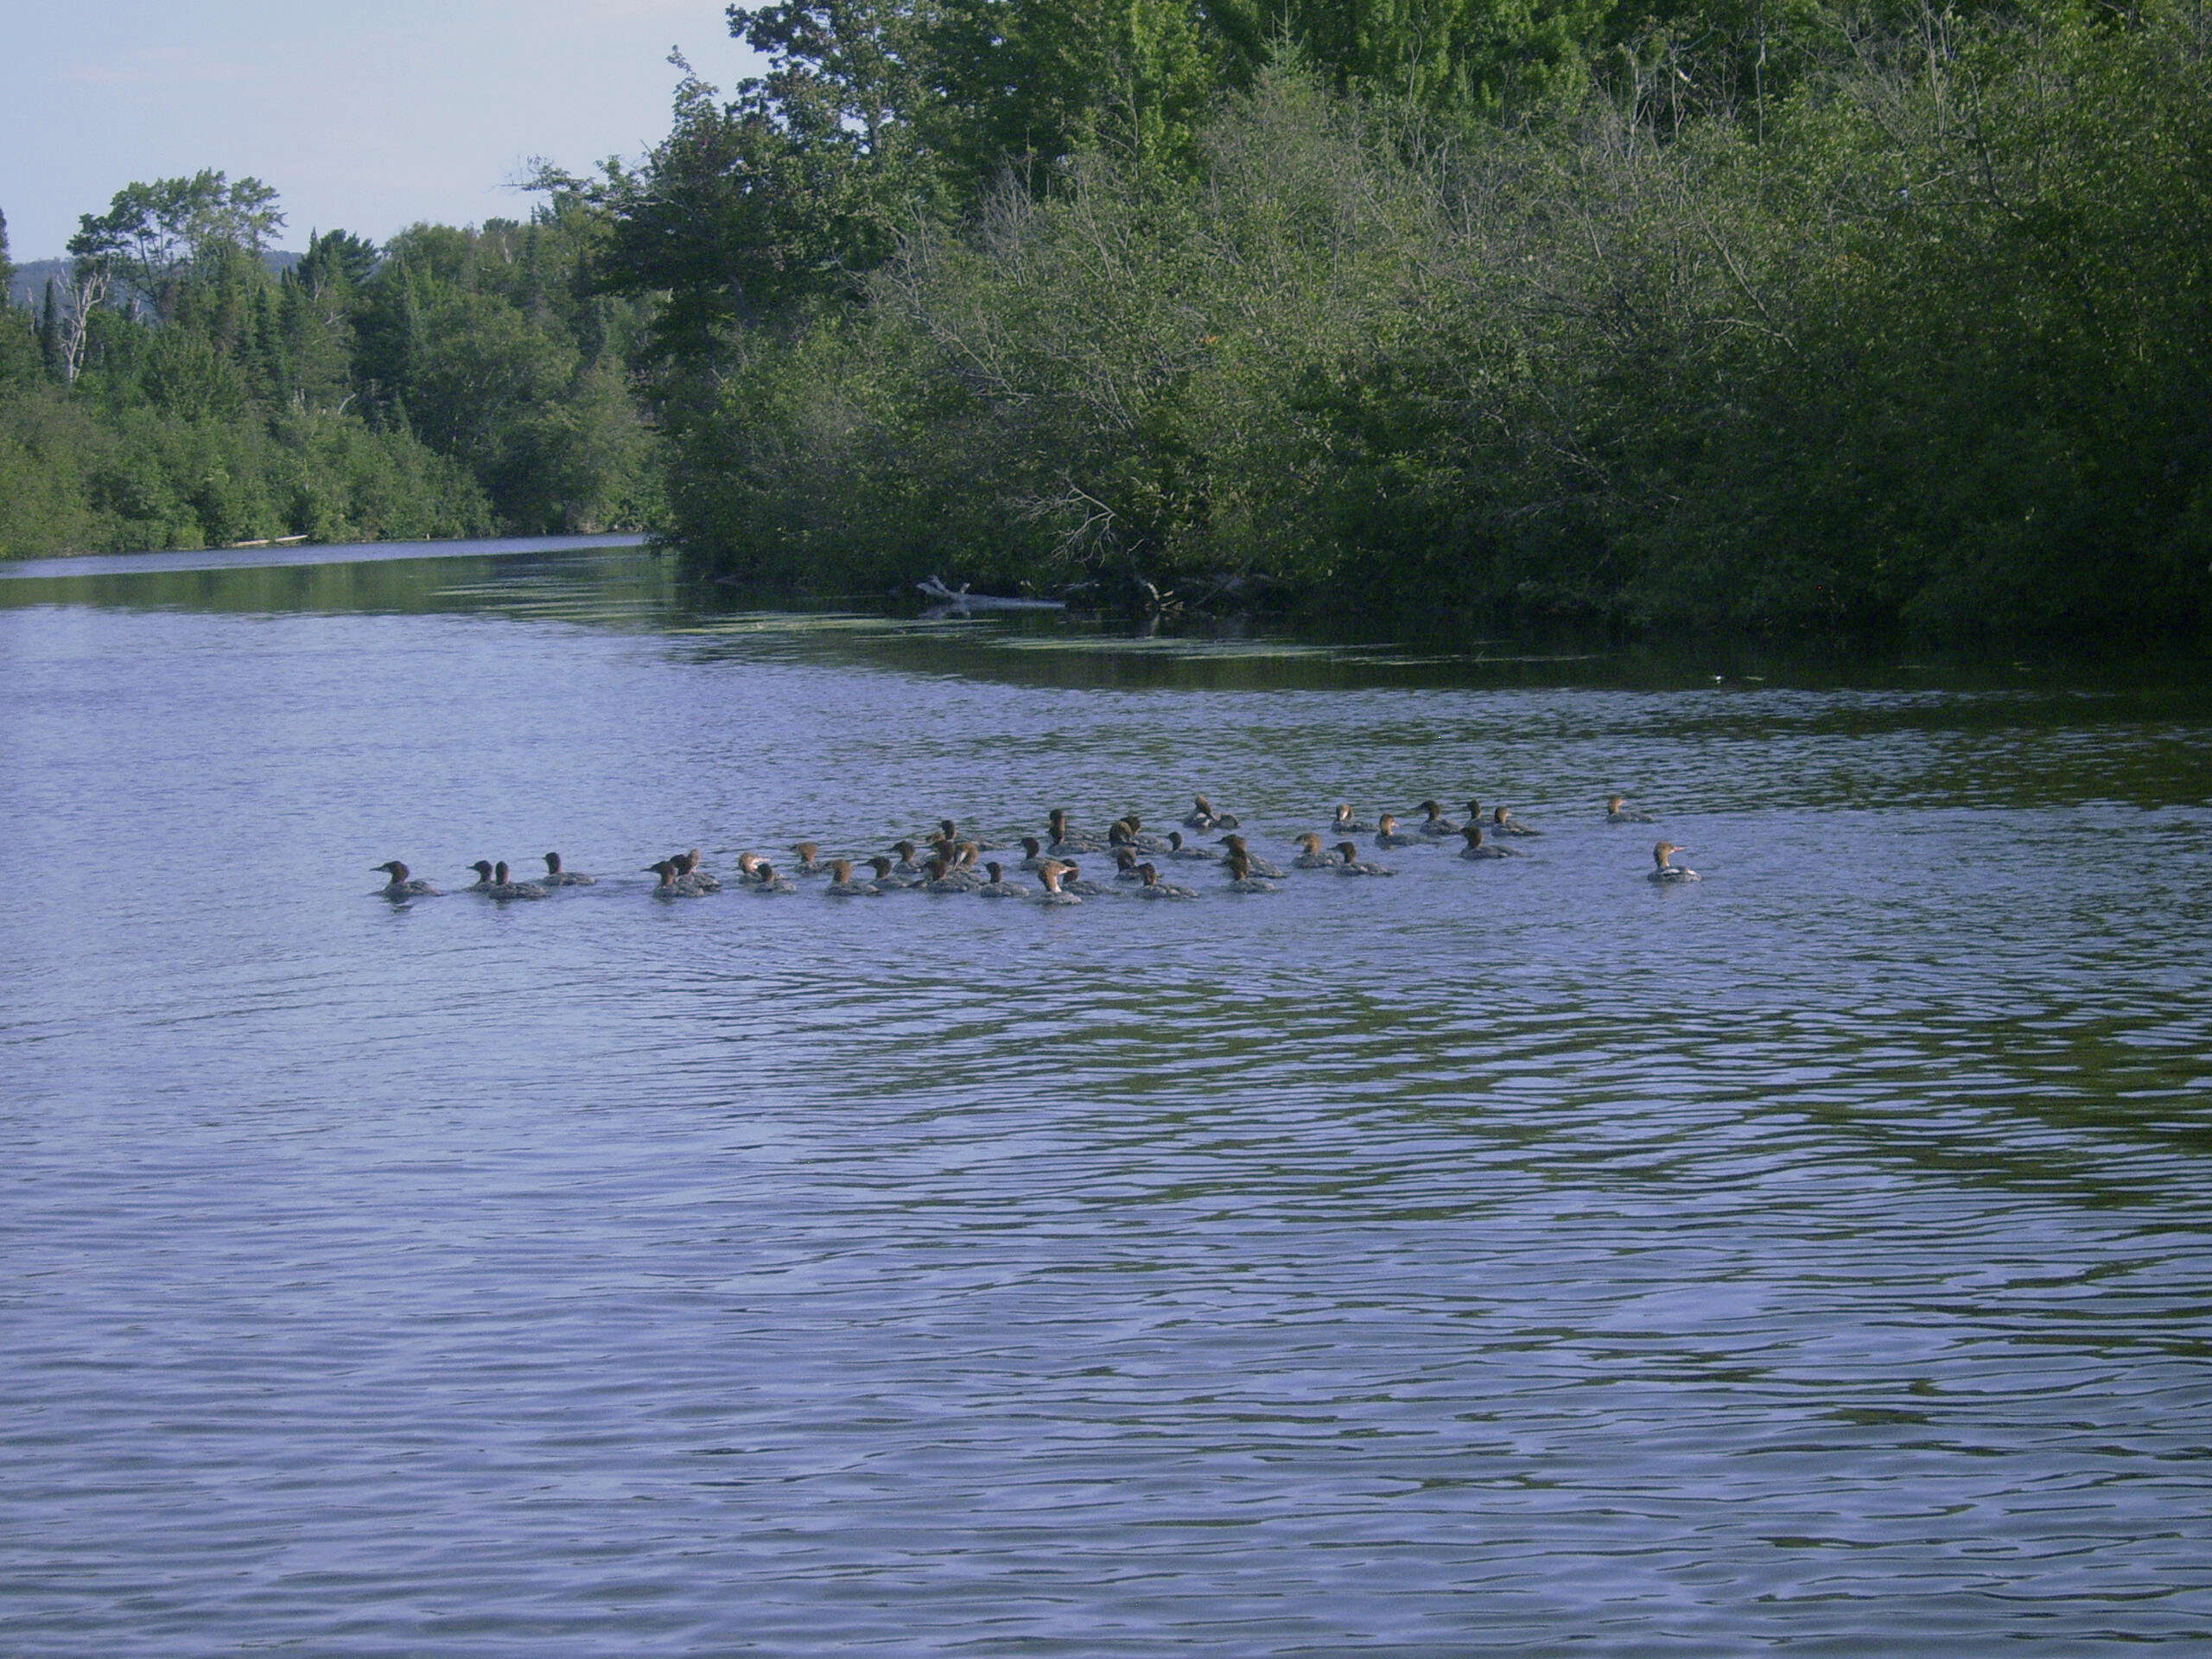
(962, 600)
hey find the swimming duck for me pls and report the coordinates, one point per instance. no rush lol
(504, 886)
(1033, 852)
(1177, 847)
(1664, 871)
(1260, 865)
(1477, 848)
(947, 829)
(1147, 840)
(555, 876)
(403, 885)
(1616, 811)
(1065, 838)
(1202, 815)
(675, 882)
(1048, 874)
(908, 864)
(764, 880)
(1125, 865)
(808, 856)
(1501, 824)
(886, 880)
(1386, 832)
(841, 885)
(1346, 825)
(1073, 881)
(1348, 862)
(943, 878)
(483, 882)
(1241, 878)
(1129, 830)
(687, 867)
(1310, 856)
(1153, 887)
(1435, 826)
(999, 888)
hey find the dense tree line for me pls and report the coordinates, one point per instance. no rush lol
(1757, 312)
(177, 388)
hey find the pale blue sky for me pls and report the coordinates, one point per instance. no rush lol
(364, 117)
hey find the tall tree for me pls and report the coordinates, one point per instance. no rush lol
(151, 232)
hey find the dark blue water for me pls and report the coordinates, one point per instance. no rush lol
(1518, 1259)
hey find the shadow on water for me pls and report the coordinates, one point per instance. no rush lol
(1989, 718)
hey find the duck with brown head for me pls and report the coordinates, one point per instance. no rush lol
(842, 885)
(1241, 878)
(945, 877)
(1072, 880)
(886, 878)
(556, 876)
(505, 886)
(1348, 862)
(1049, 874)
(1434, 824)
(1309, 853)
(998, 886)
(675, 883)
(687, 867)
(1386, 833)
(401, 885)
(1616, 811)
(1261, 867)
(1066, 838)
(1477, 847)
(1153, 887)
(1664, 871)
(1502, 823)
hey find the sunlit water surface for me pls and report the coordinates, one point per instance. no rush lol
(1518, 1258)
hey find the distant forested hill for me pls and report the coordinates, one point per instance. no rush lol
(28, 285)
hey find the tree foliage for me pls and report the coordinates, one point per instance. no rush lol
(1756, 315)
(184, 391)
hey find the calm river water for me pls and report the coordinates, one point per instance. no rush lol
(1515, 1258)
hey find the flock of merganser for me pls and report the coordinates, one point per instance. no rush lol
(945, 861)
